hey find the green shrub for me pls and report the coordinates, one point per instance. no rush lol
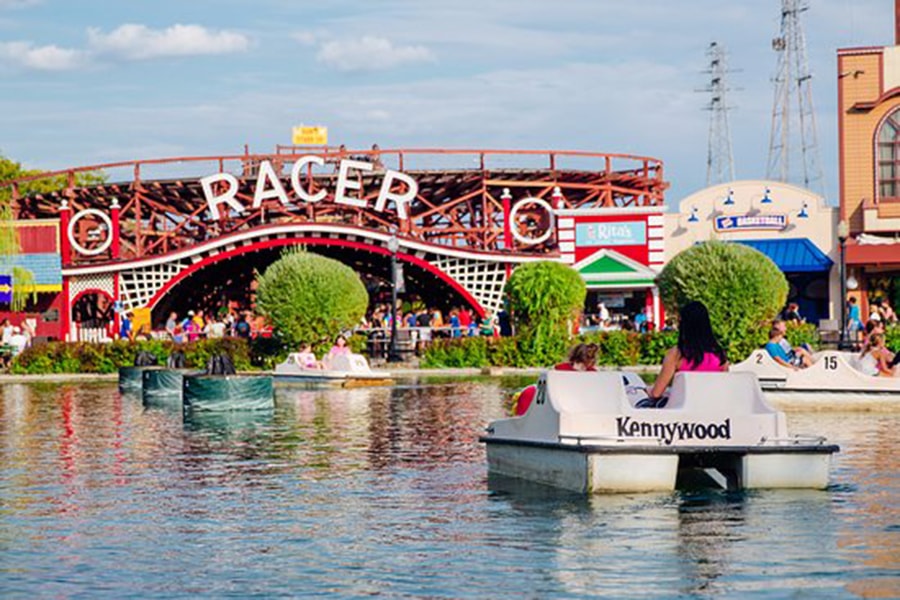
(655, 345)
(741, 287)
(617, 348)
(799, 334)
(545, 297)
(504, 351)
(455, 353)
(310, 298)
(892, 337)
(81, 357)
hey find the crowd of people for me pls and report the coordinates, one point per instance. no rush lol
(874, 357)
(640, 321)
(197, 325)
(420, 325)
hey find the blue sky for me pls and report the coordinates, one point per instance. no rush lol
(97, 81)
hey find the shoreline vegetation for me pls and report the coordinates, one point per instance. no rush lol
(618, 349)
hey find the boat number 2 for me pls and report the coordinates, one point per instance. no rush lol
(831, 363)
(759, 358)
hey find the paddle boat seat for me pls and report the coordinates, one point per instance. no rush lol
(703, 409)
(353, 363)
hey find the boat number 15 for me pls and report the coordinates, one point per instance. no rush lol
(831, 363)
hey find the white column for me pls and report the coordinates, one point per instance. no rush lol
(656, 314)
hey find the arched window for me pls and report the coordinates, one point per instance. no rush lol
(889, 158)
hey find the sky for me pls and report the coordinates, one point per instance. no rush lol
(98, 81)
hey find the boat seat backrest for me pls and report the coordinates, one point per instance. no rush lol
(761, 363)
(355, 363)
(592, 392)
(717, 393)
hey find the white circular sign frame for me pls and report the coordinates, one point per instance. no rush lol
(515, 230)
(100, 215)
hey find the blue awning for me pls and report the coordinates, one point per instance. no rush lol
(792, 255)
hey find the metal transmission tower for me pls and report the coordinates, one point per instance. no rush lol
(720, 158)
(793, 87)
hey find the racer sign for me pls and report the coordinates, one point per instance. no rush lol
(222, 188)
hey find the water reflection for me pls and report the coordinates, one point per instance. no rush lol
(384, 491)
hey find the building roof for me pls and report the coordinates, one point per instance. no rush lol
(609, 269)
(794, 255)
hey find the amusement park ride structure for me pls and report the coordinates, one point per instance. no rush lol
(459, 207)
(473, 216)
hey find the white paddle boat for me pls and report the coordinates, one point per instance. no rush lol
(833, 377)
(583, 433)
(343, 370)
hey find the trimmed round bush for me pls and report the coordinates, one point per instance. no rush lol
(742, 288)
(310, 298)
(545, 297)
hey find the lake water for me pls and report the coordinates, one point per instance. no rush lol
(383, 491)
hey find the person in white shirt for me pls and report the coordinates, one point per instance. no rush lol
(18, 341)
(603, 314)
(215, 329)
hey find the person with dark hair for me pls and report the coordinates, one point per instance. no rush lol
(582, 357)
(792, 313)
(697, 350)
(242, 327)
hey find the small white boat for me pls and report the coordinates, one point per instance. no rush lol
(583, 433)
(345, 370)
(833, 376)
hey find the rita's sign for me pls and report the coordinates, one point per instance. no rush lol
(222, 188)
(630, 233)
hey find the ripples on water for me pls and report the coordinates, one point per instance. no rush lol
(383, 491)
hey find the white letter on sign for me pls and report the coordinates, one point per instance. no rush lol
(295, 179)
(263, 178)
(213, 200)
(343, 184)
(400, 200)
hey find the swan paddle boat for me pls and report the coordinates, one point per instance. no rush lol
(583, 433)
(346, 370)
(833, 376)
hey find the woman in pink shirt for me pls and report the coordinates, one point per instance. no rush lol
(697, 350)
(340, 348)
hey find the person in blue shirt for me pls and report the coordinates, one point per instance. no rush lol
(854, 320)
(125, 332)
(455, 324)
(779, 354)
(640, 321)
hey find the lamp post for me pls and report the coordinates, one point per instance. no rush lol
(393, 245)
(843, 232)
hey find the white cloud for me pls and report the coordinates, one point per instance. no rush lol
(42, 58)
(370, 54)
(139, 42)
(17, 3)
(305, 38)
